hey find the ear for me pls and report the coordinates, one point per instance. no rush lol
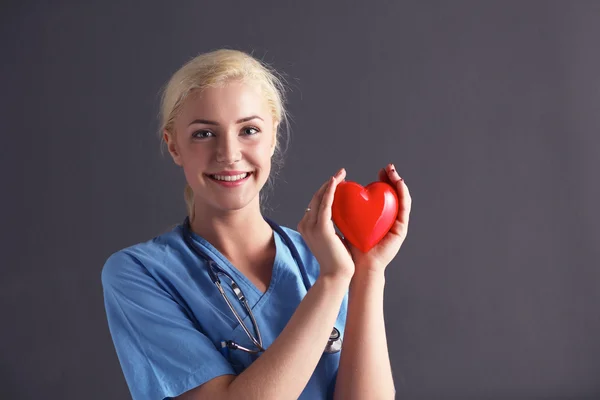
(172, 147)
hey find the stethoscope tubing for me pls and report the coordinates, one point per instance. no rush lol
(214, 270)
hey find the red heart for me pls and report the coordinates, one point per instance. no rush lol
(364, 215)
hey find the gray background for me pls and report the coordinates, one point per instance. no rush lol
(488, 109)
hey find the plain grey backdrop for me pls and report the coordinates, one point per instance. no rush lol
(489, 110)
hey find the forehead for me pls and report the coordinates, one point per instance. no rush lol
(231, 101)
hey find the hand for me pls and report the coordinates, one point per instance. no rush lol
(384, 252)
(316, 227)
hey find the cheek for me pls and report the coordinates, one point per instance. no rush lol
(263, 154)
(195, 161)
(258, 151)
(196, 155)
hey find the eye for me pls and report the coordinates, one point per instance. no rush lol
(202, 134)
(250, 131)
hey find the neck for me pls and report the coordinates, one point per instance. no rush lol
(236, 234)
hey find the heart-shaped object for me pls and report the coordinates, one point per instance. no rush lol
(364, 215)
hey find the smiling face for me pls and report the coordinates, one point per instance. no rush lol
(224, 138)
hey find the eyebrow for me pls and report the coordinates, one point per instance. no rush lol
(239, 121)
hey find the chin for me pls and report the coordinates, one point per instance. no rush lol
(231, 204)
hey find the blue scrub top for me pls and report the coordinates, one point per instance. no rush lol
(167, 319)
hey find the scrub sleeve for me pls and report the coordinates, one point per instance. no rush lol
(162, 353)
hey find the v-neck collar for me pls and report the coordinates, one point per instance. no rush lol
(227, 266)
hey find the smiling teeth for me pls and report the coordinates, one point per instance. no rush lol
(230, 178)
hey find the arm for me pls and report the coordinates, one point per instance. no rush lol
(365, 371)
(284, 369)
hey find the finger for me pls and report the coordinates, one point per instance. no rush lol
(305, 221)
(404, 198)
(328, 196)
(311, 211)
(383, 177)
(311, 215)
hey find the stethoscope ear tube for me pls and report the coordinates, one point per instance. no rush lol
(257, 343)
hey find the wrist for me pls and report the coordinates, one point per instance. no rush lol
(369, 276)
(337, 278)
(370, 269)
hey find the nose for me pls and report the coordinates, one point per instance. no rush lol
(228, 150)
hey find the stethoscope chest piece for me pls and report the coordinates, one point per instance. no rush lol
(334, 344)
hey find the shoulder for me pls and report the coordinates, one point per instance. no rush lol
(140, 259)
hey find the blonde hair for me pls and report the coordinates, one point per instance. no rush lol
(214, 69)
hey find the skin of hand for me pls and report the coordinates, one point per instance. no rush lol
(377, 259)
(316, 227)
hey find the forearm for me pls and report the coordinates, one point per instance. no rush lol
(365, 370)
(284, 369)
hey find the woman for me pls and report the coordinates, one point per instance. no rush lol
(175, 334)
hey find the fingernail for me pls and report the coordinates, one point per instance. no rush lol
(393, 168)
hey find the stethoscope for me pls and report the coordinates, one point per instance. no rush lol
(334, 344)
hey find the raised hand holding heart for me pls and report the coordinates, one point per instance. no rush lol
(373, 219)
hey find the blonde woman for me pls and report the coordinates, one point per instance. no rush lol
(228, 304)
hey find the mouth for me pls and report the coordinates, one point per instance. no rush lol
(230, 178)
